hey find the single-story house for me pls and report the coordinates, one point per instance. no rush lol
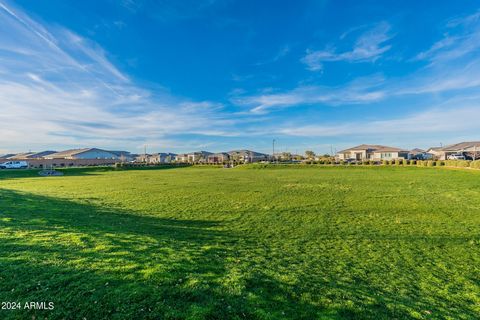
(192, 157)
(437, 152)
(182, 157)
(470, 149)
(198, 156)
(124, 156)
(143, 158)
(86, 153)
(220, 157)
(247, 156)
(161, 158)
(372, 152)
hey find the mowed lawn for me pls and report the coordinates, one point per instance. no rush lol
(243, 243)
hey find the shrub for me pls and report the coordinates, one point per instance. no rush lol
(399, 162)
(475, 164)
(413, 162)
(458, 163)
(431, 163)
(441, 163)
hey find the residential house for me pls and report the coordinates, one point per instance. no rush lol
(220, 157)
(158, 158)
(247, 156)
(372, 152)
(470, 149)
(193, 157)
(182, 157)
(437, 152)
(86, 153)
(142, 158)
(124, 156)
(198, 156)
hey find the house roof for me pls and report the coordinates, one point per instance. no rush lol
(22, 155)
(37, 155)
(8, 155)
(246, 153)
(163, 154)
(200, 152)
(373, 148)
(73, 152)
(31, 155)
(461, 146)
(220, 154)
(120, 153)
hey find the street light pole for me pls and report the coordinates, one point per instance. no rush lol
(273, 150)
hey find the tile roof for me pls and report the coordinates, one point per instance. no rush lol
(373, 148)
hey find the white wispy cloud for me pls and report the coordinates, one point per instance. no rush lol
(368, 47)
(359, 91)
(453, 66)
(449, 118)
(60, 89)
(462, 37)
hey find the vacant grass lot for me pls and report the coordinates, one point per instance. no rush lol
(211, 243)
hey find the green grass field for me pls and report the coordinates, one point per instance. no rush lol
(243, 243)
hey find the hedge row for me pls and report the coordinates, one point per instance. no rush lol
(404, 162)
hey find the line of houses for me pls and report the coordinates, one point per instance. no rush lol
(466, 150)
(238, 156)
(94, 156)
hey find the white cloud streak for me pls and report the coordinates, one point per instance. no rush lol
(362, 90)
(60, 89)
(461, 39)
(367, 48)
(445, 119)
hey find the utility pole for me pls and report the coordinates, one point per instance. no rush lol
(273, 150)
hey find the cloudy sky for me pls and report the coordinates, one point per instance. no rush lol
(220, 75)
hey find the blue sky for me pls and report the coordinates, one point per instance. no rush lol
(219, 75)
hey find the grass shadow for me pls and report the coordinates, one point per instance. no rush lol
(101, 263)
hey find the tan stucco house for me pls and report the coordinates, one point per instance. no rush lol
(372, 152)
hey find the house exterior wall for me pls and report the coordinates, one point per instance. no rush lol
(181, 158)
(61, 163)
(95, 154)
(389, 155)
(363, 155)
(217, 158)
